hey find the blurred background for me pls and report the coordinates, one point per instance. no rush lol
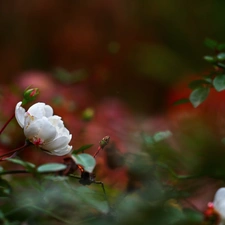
(109, 67)
(132, 50)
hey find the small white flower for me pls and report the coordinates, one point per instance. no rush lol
(44, 129)
(219, 204)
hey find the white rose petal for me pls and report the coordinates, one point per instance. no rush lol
(39, 110)
(219, 203)
(62, 151)
(19, 114)
(33, 128)
(57, 143)
(44, 129)
(47, 131)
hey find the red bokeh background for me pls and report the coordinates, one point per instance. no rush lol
(126, 60)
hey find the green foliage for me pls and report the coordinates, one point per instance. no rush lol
(86, 161)
(5, 188)
(199, 83)
(159, 136)
(221, 56)
(51, 167)
(68, 78)
(215, 79)
(209, 59)
(53, 199)
(199, 95)
(219, 82)
(82, 148)
(156, 137)
(181, 101)
(210, 43)
(29, 166)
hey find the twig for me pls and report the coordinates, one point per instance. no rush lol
(180, 177)
(6, 124)
(17, 150)
(13, 172)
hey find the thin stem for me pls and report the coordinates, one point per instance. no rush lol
(16, 210)
(51, 214)
(179, 177)
(96, 182)
(103, 188)
(60, 218)
(15, 150)
(13, 172)
(96, 153)
(6, 124)
(74, 176)
(28, 206)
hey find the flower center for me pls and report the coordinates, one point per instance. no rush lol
(37, 141)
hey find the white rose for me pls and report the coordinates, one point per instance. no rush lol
(219, 204)
(44, 129)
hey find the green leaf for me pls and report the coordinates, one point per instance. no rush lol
(70, 77)
(82, 148)
(159, 136)
(221, 47)
(51, 167)
(221, 65)
(210, 59)
(29, 166)
(56, 178)
(5, 188)
(86, 161)
(197, 83)
(219, 82)
(93, 198)
(208, 79)
(1, 215)
(181, 101)
(221, 56)
(210, 43)
(148, 140)
(199, 95)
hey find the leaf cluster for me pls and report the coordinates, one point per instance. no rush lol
(215, 79)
